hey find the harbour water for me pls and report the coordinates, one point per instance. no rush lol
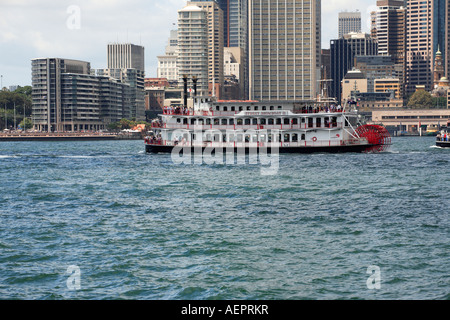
(103, 220)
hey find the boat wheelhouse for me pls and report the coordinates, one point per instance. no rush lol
(242, 125)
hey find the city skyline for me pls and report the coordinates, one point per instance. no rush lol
(36, 29)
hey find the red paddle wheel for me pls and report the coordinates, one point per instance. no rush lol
(377, 136)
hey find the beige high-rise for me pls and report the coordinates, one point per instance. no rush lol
(215, 45)
(349, 22)
(390, 29)
(193, 46)
(284, 49)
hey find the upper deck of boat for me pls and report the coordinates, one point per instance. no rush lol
(240, 111)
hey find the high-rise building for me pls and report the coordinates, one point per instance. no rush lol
(167, 64)
(325, 73)
(126, 63)
(193, 46)
(343, 52)
(349, 22)
(134, 78)
(284, 49)
(67, 97)
(233, 62)
(390, 19)
(126, 56)
(235, 22)
(389, 29)
(235, 32)
(233, 73)
(375, 67)
(215, 45)
(427, 31)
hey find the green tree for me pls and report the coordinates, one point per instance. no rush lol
(440, 102)
(421, 100)
(125, 124)
(25, 91)
(16, 100)
(114, 126)
(26, 123)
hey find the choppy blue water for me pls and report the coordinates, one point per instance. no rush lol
(139, 227)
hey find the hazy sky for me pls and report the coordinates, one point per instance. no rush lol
(81, 30)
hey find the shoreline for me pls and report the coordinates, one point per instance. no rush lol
(66, 137)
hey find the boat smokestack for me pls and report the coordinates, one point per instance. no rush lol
(185, 79)
(194, 80)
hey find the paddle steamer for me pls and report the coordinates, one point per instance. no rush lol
(287, 127)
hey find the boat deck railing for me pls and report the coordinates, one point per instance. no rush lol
(215, 113)
(301, 126)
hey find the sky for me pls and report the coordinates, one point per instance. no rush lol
(81, 30)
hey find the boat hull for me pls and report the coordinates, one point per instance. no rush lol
(443, 144)
(307, 150)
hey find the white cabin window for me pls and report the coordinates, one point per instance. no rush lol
(263, 138)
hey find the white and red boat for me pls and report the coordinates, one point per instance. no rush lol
(443, 138)
(242, 125)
